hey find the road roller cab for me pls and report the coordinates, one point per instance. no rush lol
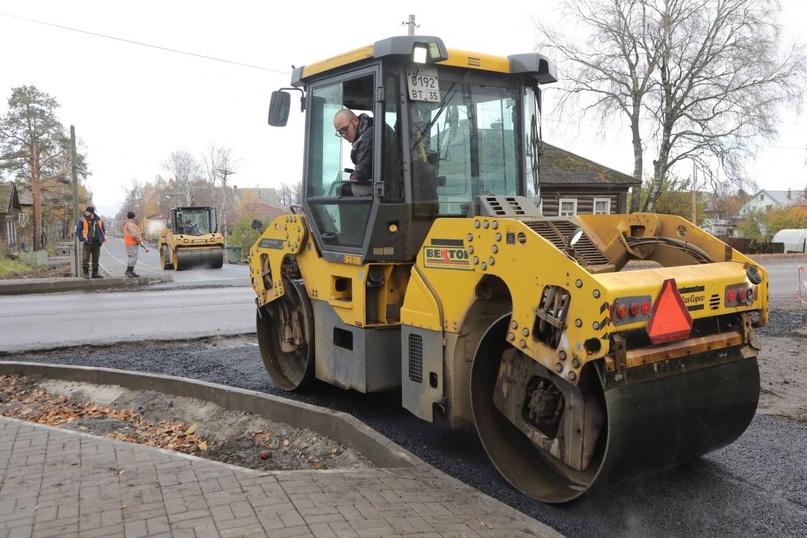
(191, 239)
(583, 349)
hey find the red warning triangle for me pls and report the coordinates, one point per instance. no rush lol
(670, 319)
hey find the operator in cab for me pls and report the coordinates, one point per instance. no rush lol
(358, 130)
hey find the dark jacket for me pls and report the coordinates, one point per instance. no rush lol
(362, 152)
(92, 230)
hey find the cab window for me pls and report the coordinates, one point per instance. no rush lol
(340, 207)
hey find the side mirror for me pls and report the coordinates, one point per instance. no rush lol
(256, 224)
(279, 108)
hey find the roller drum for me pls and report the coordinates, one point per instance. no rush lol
(654, 417)
(189, 258)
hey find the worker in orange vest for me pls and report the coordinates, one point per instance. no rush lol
(91, 232)
(132, 238)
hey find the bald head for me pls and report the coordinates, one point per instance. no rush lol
(343, 115)
(346, 124)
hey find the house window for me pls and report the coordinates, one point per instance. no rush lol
(567, 207)
(11, 232)
(602, 206)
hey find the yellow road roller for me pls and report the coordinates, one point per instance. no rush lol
(585, 349)
(191, 240)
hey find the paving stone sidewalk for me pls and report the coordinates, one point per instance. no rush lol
(60, 483)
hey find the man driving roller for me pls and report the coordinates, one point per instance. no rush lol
(358, 130)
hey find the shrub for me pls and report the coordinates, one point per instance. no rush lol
(244, 235)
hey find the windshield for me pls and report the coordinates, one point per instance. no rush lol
(464, 145)
(195, 221)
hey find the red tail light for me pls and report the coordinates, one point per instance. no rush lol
(630, 310)
(739, 294)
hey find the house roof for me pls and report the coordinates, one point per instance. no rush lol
(266, 195)
(784, 198)
(771, 197)
(9, 200)
(26, 198)
(564, 168)
(265, 212)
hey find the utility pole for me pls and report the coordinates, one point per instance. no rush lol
(224, 173)
(694, 191)
(411, 25)
(74, 166)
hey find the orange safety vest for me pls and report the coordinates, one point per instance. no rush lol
(128, 240)
(85, 229)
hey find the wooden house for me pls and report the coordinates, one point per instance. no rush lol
(10, 211)
(571, 185)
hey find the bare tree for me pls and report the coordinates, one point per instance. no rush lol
(184, 172)
(220, 165)
(134, 200)
(290, 194)
(701, 79)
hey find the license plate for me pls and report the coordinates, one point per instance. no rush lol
(423, 85)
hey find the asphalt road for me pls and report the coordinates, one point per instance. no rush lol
(30, 322)
(113, 261)
(786, 276)
(198, 303)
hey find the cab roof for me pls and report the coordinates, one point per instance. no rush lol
(530, 63)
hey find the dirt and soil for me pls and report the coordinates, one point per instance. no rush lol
(182, 424)
(783, 362)
(186, 425)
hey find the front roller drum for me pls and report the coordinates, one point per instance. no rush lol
(286, 337)
(188, 258)
(667, 414)
(165, 258)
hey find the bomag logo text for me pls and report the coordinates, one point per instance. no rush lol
(446, 258)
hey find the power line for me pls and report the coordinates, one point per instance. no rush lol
(140, 43)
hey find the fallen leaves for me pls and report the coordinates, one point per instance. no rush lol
(33, 404)
(252, 442)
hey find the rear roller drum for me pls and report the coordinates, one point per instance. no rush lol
(553, 440)
(286, 337)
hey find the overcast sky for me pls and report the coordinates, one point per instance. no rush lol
(140, 80)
